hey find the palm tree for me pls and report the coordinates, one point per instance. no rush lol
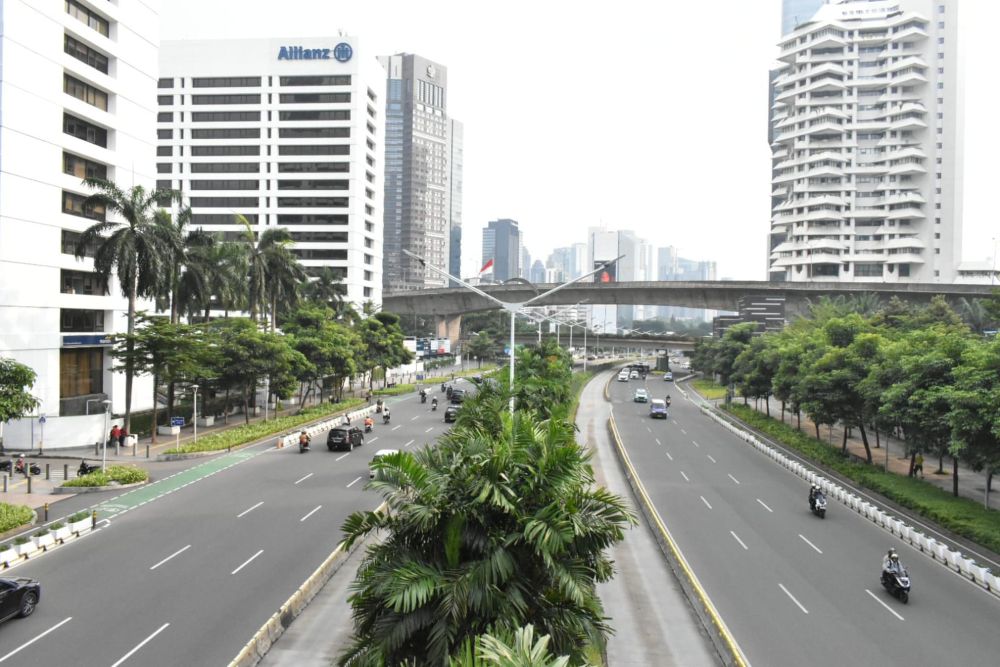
(327, 289)
(137, 250)
(189, 272)
(272, 270)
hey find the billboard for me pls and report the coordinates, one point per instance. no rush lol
(608, 274)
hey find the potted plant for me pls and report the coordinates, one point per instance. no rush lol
(60, 531)
(25, 545)
(80, 522)
(8, 554)
(44, 539)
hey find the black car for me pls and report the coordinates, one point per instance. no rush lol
(344, 437)
(18, 597)
(457, 395)
(451, 413)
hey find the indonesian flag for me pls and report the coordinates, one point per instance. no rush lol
(486, 267)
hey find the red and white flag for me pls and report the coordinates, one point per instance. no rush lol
(486, 267)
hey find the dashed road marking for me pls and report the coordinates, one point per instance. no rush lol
(35, 639)
(669, 456)
(250, 560)
(141, 644)
(733, 478)
(310, 513)
(409, 443)
(737, 538)
(304, 478)
(176, 553)
(804, 610)
(354, 482)
(710, 458)
(686, 479)
(762, 504)
(810, 543)
(706, 502)
(247, 511)
(342, 456)
(874, 597)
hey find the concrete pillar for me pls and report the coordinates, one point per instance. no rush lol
(450, 327)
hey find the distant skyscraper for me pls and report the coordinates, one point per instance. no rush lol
(670, 266)
(418, 172)
(537, 272)
(455, 163)
(603, 245)
(524, 261)
(502, 244)
(867, 149)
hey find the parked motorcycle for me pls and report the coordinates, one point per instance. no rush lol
(6, 466)
(897, 582)
(33, 468)
(86, 469)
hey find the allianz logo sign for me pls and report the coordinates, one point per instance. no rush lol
(341, 53)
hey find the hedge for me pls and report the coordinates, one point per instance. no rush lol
(13, 516)
(395, 391)
(240, 435)
(114, 473)
(963, 516)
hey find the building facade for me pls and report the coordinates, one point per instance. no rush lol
(287, 133)
(421, 173)
(796, 12)
(671, 266)
(502, 244)
(867, 145)
(456, 149)
(77, 100)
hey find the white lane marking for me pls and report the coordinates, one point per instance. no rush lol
(710, 458)
(733, 478)
(342, 456)
(247, 511)
(372, 439)
(397, 427)
(351, 484)
(764, 506)
(804, 610)
(685, 476)
(32, 641)
(176, 553)
(649, 429)
(684, 432)
(705, 501)
(304, 478)
(810, 543)
(141, 644)
(408, 444)
(414, 417)
(248, 561)
(658, 441)
(429, 430)
(674, 421)
(695, 443)
(874, 597)
(669, 456)
(737, 538)
(311, 512)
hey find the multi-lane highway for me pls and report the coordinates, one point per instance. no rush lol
(187, 577)
(793, 588)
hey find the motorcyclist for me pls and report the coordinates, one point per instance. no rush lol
(304, 440)
(385, 415)
(378, 405)
(814, 491)
(19, 466)
(890, 563)
(667, 400)
(434, 403)
(443, 386)
(369, 423)
(423, 395)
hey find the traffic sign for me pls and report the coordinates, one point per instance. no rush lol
(177, 421)
(41, 419)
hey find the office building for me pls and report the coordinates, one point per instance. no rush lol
(671, 266)
(455, 165)
(502, 244)
(420, 173)
(537, 272)
(867, 145)
(766, 311)
(287, 133)
(77, 99)
(636, 257)
(524, 261)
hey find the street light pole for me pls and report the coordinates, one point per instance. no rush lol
(512, 308)
(104, 436)
(194, 412)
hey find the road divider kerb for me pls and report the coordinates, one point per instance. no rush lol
(32, 549)
(262, 641)
(937, 551)
(292, 439)
(723, 640)
(94, 489)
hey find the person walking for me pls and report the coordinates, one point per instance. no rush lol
(115, 435)
(918, 465)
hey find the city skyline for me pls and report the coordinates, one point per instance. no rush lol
(666, 200)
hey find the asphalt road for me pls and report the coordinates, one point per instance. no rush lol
(188, 577)
(794, 588)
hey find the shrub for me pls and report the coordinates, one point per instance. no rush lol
(42, 533)
(78, 517)
(116, 473)
(22, 539)
(396, 391)
(5, 546)
(13, 516)
(57, 525)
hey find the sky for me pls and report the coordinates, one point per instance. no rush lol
(649, 116)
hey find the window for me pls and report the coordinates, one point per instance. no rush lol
(81, 282)
(81, 372)
(226, 82)
(164, 134)
(312, 202)
(85, 92)
(164, 168)
(81, 129)
(85, 54)
(225, 99)
(87, 321)
(315, 98)
(320, 237)
(368, 259)
(868, 270)
(322, 253)
(224, 150)
(326, 184)
(224, 202)
(317, 114)
(314, 150)
(221, 218)
(937, 251)
(165, 83)
(87, 16)
(82, 168)
(332, 80)
(227, 184)
(309, 219)
(368, 292)
(314, 132)
(164, 100)
(224, 116)
(311, 167)
(70, 240)
(225, 167)
(164, 150)
(73, 205)
(369, 243)
(165, 117)
(226, 133)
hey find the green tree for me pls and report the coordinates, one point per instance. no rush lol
(755, 368)
(327, 289)
(328, 346)
(137, 250)
(15, 399)
(190, 271)
(734, 341)
(481, 346)
(975, 408)
(507, 649)
(273, 271)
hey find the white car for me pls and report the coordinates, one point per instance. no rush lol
(634, 375)
(668, 377)
(623, 376)
(641, 396)
(379, 454)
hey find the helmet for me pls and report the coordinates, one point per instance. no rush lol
(20, 456)
(894, 556)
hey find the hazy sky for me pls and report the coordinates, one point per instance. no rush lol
(649, 116)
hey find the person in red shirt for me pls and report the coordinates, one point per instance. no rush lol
(115, 434)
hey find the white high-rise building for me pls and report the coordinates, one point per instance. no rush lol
(77, 99)
(867, 145)
(288, 133)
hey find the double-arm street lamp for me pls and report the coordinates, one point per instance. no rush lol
(513, 308)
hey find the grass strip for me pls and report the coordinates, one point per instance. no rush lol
(240, 435)
(962, 516)
(14, 516)
(708, 388)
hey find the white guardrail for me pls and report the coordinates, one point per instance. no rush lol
(292, 439)
(938, 551)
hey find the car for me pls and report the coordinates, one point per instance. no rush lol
(457, 395)
(379, 454)
(451, 413)
(18, 597)
(668, 377)
(658, 408)
(623, 376)
(640, 396)
(344, 437)
(634, 375)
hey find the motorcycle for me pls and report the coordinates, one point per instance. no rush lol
(33, 468)
(369, 425)
(86, 469)
(423, 397)
(6, 466)
(819, 505)
(897, 582)
(444, 387)
(434, 405)
(378, 405)
(385, 418)
(303, 445)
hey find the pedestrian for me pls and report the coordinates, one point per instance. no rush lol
(115, 434)
(122, 436)
(918, 465)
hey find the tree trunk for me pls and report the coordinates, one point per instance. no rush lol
(246, 405)
(940, 470)
(817, 430)
(878, 443)
(782, 412)
(170, 398)
(954, 476)
(843, 446)
(225, 408)
(913, 462)
(274, 311)
(155, 401)
(767, 405)
(864, 440)
(798, 416)
(130, 351)
(175, 316)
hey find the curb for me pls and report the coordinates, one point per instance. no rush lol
(262, 641)
(62, 490)
(723, 640)
(6, 565)
(937, 551)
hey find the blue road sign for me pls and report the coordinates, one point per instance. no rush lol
(177, 421)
